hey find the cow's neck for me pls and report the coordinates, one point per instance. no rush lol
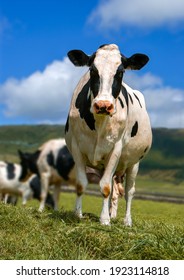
(107, 134)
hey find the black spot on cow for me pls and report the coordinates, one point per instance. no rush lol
(10, 170)
(125, 94)
(117, 81)
(64, 162)
(33, 162)
(83, 103)
(67, 125)
(134, 129)
(28, 163)
(50, 159)
(130, 98)
(35, 185)
(121, 102)
(94, 81)
(146, 149)
(138, 100)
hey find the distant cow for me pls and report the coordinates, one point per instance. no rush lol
(108, 127)
(11, 187)
(54, 165)
(9, 181)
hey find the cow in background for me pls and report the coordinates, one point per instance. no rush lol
(11, 187)
(108, 127)
(53, 164)
(10, 183)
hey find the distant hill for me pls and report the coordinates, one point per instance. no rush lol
(167, 153)
(165, 156)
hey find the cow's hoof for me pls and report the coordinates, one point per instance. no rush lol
(128, 222)
(113, 215)
(105, 222)
(79, 215)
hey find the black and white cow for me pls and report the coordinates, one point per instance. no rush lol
(54, 165)
(11, 187)
(10, 183)
(108, 127)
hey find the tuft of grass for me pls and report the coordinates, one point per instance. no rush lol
(157, 232)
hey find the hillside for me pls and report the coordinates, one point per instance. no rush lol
(166, 154)
(165, 160)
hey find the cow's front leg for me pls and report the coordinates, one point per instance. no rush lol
(106, 183)
(106, 192)
(131, 174)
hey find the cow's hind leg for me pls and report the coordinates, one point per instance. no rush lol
(117, 191)
(44, 190)
(56, 195)
(81, 184)
(131, 174)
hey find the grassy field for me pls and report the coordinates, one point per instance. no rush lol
(158, 228)
(157, 232)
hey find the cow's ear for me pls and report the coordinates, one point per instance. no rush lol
(78, 58)
(135, 62)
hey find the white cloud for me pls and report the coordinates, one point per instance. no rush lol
(44, 97)
(164, 104)
(138, 13)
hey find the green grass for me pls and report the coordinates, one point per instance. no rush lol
(159, 186)
(157, 232)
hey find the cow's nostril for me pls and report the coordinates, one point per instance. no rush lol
(96, 106)
(109, 108)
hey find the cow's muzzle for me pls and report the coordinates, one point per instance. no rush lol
(103, 107)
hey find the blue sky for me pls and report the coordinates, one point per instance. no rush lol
(37, 79)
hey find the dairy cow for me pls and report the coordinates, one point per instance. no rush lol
(53, 164)
(10, 183)
(108, 127)
(11, 187)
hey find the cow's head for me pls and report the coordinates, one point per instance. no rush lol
(28, 164)
(106, 66)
